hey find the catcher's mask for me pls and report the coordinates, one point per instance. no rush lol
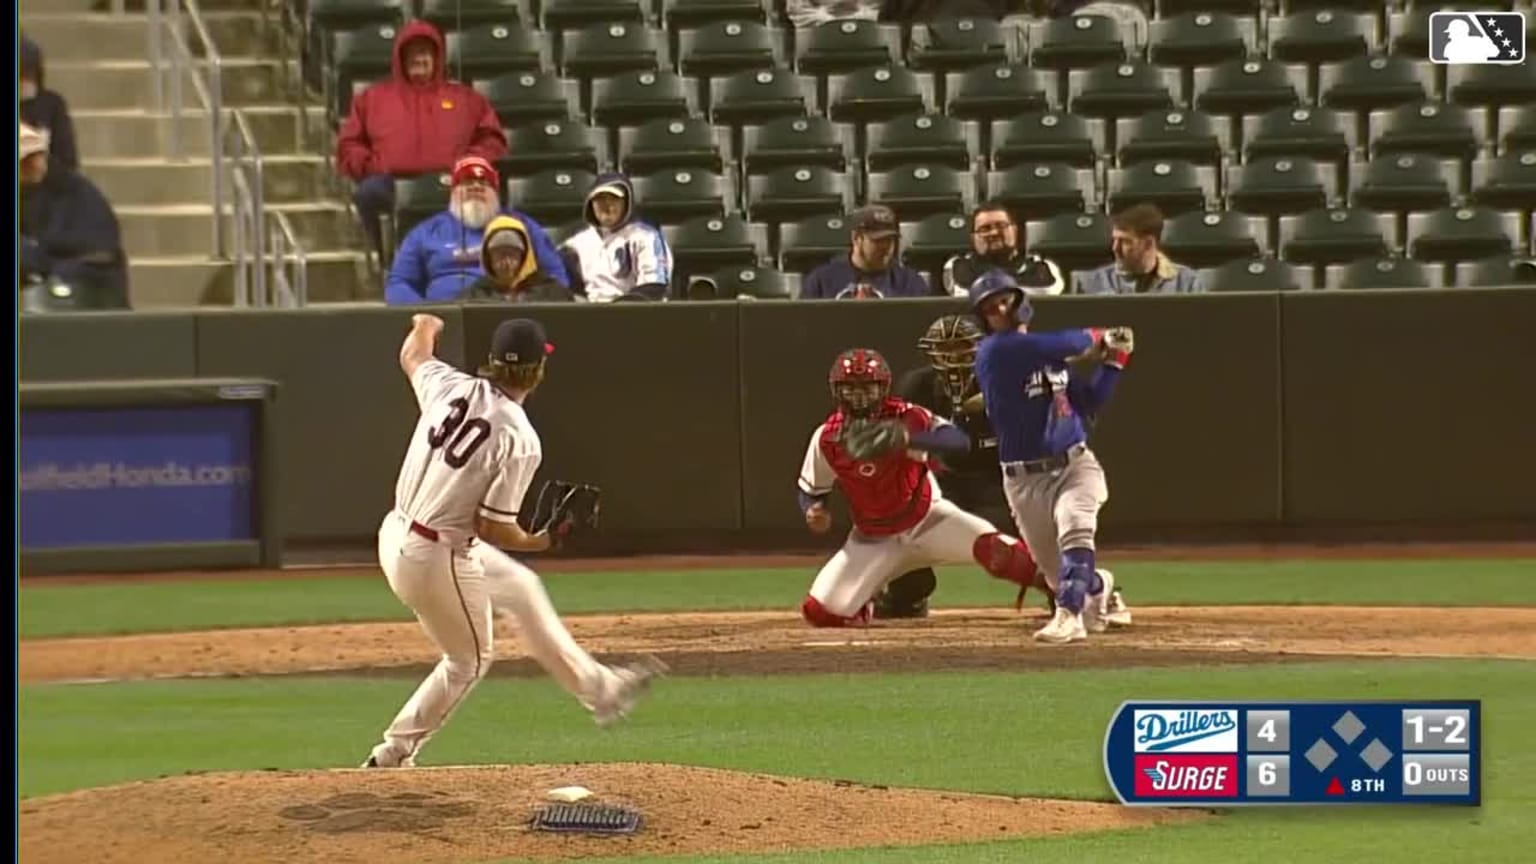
(950, 344)
(860, 381)
(992, 283)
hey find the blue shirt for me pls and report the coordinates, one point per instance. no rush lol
(1036, 405)
(838, 279)
(439, 259)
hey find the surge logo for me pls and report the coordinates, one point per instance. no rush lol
(1186, 776)
(1186, 731)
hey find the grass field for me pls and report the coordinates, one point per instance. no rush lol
(1023, 732)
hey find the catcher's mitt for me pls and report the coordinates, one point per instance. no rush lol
(566, 508)
(870, 439)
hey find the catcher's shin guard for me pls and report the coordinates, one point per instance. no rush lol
(907, 595)
(1006, 558)
(818, 615)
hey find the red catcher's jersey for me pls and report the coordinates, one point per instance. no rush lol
(886, 496)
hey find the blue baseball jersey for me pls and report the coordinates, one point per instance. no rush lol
(1036, 405)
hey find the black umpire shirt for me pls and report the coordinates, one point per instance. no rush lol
(924, 386)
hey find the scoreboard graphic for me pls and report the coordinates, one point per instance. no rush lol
(1201, 754)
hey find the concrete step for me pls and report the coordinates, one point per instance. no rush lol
(187, 230)
(172, 282)
(70, 37)
(105, 6)
(152, 181)
(123, 84)
(135, 134)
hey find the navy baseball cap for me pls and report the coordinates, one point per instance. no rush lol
(519, 341)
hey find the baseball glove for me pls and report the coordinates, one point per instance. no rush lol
(870, 439)
(564, 509)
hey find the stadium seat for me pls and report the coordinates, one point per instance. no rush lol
(872, 95)
(922, 138)
(567, 144)
(1075, 241)
(675, 196)
(1208, 239)
(997, 92)
(1507, 182)
(960, 43)
(1248, 87)
(1404, 182)
(1175, 187)
(451, 15)
(1461, 234)
(1517, 128)
(1443, 130)
(1322, 237)
(727, 47)
(356, 56)
(1279, 185)
(670, 143)
(756, 97)
(683, 15)
(1076, 42)
(524, 97)
(708, 243)
(1316, 133)
(1497, 271)
(928, 243)
(634, 98)
(1051, 137)
(1265, 274)
(610, 49)
(917, 191)
(573, 14)
(1118, 90)
(1292, 7)
(1170, 8)
(1199, 39)
(1190, 136)
(552, 197)
(326, 19)
(742, 283)
(1370, 274)
(811, 242)
(1491, 86)
(1374, 83)
(793, 141)
(844, 46)
(787, 194)
(1321, 36)
(489, 50)
(1035, 191)
(416, 199)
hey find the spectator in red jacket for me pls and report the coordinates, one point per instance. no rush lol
(418, 122)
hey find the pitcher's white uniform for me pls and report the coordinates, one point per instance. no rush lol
(474, 451)
(901, 519)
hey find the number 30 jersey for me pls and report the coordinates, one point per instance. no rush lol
(474, 452)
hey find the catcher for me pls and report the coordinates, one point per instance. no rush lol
(876, 448)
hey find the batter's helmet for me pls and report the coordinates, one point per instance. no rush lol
(995, 282)
(950, 343)
(860, 380)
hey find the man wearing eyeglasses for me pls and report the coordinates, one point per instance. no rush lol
(995, 246)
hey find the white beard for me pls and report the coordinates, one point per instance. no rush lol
(475, 214)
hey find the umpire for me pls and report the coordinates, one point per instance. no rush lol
(947, 387)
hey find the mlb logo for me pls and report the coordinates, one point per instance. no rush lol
(1185, 731)
(1475, 38)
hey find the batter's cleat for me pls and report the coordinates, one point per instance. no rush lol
(1064, 627)
(622, 688)
(1095, 619)
(1116, 612)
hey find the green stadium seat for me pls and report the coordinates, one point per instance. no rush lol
(794, 141)
(1316, 133)
(951, 44)
(524, 98)
(1170, 8)
(1404, 182)
(1293, 7)
(1491, 86)
(708, 243)
(787, 194)
(742, 283)
(356, 57)
(675, 196)
(726, 47)
(1075, 241)
(844, 46)
(1200, 39)
(808, 243)
(1321, 36)
(1191, 136)
(872, 95)
(323, 19)
(922, 138)
(929, 242)
(489, 50)
(1248, 87)
(1374, 83)
(1209, 239)
(1264, 274)
(611, 49)
(1497, 271)
(416, 199)
(1517, 128)
(1461, 234)
(553, 197)
(683, 15)
(757, 97)
(568, 144)
(1040, 190)
(1386, 273)
(670, 142)
(1281, 185)
(1322, 237)
(998, 92)
(1049, 137)
(451, 15)
(633, 98)
(917, 191)
(1507, 182)
(1443, 130)
(576, 14)
(1119, 90)
(1076, 42)
(1175, 187)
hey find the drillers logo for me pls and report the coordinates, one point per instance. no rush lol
(1186, 777)
(1188, 731)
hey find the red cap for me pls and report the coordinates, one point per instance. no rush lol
(477, 168)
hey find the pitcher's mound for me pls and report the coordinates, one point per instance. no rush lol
(475, 814)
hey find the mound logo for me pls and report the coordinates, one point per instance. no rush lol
(1186, 776)
(1186, 731)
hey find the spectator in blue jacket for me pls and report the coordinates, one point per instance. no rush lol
(439, 260)
(44, 109)
(1140, 265)
(871, 268)
(66, 231)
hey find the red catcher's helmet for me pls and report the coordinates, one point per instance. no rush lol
(860, 380)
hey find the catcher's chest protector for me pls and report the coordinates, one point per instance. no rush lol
(884, 493)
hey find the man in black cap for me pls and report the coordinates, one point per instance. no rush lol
(872, 267)
(995, 246)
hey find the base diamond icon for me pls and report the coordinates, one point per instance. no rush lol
(1321, 755)
(1376, 754)
(1348, 727)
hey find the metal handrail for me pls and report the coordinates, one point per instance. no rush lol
(286, 249)
(210, 88)
(248, 170)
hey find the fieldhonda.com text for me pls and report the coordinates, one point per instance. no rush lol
(51, 477)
